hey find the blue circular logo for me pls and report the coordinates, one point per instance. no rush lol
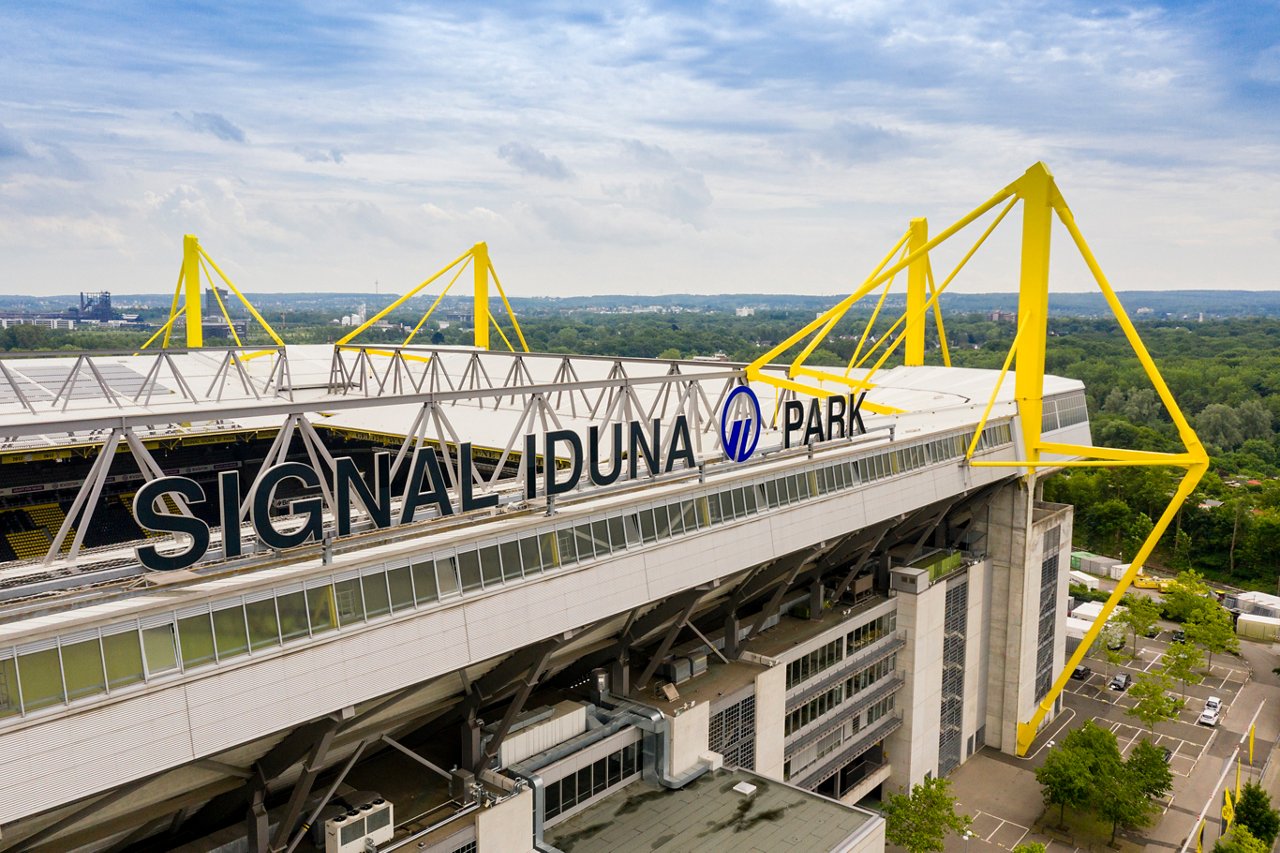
(740, 424)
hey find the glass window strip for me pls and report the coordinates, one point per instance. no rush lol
(317, 610)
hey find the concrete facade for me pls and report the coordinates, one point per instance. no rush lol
(1016, 530)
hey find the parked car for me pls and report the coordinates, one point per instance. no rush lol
(1179, 636)
(1081, 672)
(1213, 703)
(1153, 632)
(1167, 753)
(1121, 682)
(1208, 717)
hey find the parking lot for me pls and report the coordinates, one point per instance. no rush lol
(1001, 793)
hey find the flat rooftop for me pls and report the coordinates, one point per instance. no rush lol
(791, 631)
(708, 814)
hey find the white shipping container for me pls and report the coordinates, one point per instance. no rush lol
(1076, 628)
(1087, 580)
(1088, 611)
(1264, 628)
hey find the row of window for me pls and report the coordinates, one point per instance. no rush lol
(823, 658)
(1065, 411)
(821, 704)
(804, 760)
(592, 780)
(865, 635)
(68, 668)
(803, 668)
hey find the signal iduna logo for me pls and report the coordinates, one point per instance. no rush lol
(740, 424)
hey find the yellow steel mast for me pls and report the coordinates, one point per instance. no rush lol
(1041, 202)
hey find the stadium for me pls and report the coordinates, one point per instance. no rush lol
(410, 597)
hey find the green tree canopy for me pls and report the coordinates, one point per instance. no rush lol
(1210, 628)
(1150, 771)
(1182, 662)
(1254, 811)
(1240, 840)
(920, 821)
(1154, 704)
(1140, 616)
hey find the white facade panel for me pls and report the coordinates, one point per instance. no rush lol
(232, 704)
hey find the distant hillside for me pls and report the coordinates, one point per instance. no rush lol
(1140, 303)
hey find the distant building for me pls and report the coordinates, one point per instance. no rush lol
(744, 312)
(999, 316)
(47, 322)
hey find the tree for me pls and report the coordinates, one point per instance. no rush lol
(1066, 780)
(1254, 811)
(1154, 704)
(1120, 798)
(1029, 847)
(1219, 425)
(1181, 663)
(919, 822)
(1110, 646)
(1187, 596)
(1210, 628)
(1239, 840)
(1150, 771)
(1140, 616)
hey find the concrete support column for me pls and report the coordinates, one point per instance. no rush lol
(815, 601)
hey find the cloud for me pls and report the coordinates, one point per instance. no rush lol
(333, 155)
(11, 147)
(848, 142)
(692, 144)
(531, 161)
(214, 124)
(668, 187)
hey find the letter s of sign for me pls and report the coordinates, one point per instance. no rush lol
(740, 435)
(144, 510)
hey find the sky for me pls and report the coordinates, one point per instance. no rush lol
(648, 148)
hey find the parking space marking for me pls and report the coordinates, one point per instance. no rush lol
(1008, 834)
(1186, 753)
(987, 826)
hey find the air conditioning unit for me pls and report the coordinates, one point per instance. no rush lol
(676, 670)
(353, 831)
(698, 663)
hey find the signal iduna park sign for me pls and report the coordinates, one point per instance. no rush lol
(741, 425)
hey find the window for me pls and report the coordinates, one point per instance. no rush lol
(350, 601)
(264, 628)
(510, 552)
(490, 566)
(813, 709)
(41, 679)
(595, 779)
(195, 637)
(376, 602)
(292, 607)
(123, 654)
(229, 631)
(469, 570)
(320, 609)
(565, 547)
(401, 584)
(530, 556)
(814, 662)
(446, 575)
(82, 669)
(8, 688)
(547, 544)
(158, 645)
